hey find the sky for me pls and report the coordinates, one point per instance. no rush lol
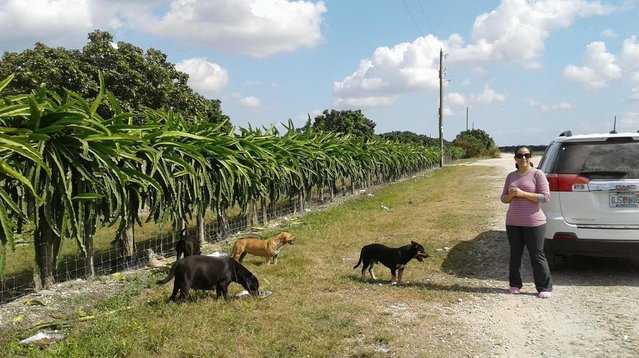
(526, 70)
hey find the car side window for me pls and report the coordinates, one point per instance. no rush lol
(548, 160)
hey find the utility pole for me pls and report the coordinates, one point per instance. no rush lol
(467, 118)
(441, 110)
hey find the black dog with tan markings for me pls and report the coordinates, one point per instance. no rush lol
(393, 258)
(208, 273)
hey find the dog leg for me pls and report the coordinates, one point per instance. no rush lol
(364, 272)
(225, 290)
(174, 294)
(275, 260)
(242, 256)
(394, 277)
(370, 270)
(401, 272)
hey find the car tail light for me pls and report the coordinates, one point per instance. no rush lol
(565, 236)
(567, 182)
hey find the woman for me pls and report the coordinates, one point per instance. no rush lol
(524, 190)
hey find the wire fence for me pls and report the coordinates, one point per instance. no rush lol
(71, 266)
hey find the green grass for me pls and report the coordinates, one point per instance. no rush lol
(319, 306)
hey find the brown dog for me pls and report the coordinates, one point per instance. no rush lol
(267, 248)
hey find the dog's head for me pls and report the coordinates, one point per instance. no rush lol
(246, 278)
(420, 252)
(285, 238)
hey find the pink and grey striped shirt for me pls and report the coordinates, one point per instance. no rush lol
(522, 212)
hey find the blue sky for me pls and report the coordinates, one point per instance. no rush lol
(526, 69)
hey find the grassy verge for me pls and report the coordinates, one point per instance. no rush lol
(319, 307)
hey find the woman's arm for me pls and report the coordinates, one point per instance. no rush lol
(506, 196)
(542, 190)
(533, 197)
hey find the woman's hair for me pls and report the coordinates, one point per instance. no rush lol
(522, 147)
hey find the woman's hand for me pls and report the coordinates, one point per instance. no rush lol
(515, 192)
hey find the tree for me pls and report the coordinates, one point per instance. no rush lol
(347, 122)
(138, 79)
(410, 137)
(476, 142)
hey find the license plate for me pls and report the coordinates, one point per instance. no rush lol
(624, 200)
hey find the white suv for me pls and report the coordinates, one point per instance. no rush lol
(594, 185)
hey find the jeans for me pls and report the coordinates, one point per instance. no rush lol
(533, 239)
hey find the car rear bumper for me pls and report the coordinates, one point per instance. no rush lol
(558, 224)
(601, 248)
(591, 241)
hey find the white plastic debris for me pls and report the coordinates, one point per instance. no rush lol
(43, 338)
(386, 208)
(245, 293)
(217, 254)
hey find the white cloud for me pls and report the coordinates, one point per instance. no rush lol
(488, 96)
(514, 32)
(250, 102)
(364, 102)
(390, 71)
(255, 27)
(53, 22)
(600, 67)
(608, 33)
(561, 106)
(517, 29)
(629, 57)
(448, 112)
(205, 77)
(455, 99)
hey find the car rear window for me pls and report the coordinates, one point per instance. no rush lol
(617, 159)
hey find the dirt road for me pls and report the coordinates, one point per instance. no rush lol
(594, 311)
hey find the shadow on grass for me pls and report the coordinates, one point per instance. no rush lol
(487, 255)
(427, 285)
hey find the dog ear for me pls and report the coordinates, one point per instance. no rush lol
(413, 243)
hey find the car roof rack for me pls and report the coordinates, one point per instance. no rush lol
(565, 134)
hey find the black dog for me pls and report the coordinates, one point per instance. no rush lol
(393, 258)
(207, 273)
(187, 245)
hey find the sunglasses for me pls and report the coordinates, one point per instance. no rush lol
(522, 155)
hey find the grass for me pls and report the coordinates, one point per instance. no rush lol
(319, 306)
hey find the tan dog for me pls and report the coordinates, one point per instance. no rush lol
(267, 248)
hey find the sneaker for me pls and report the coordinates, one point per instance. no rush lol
(514, 290)
(544, 294)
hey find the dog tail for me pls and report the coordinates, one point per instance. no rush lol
(358, 262)
(169, 276)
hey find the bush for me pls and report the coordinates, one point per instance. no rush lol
(476, 143)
